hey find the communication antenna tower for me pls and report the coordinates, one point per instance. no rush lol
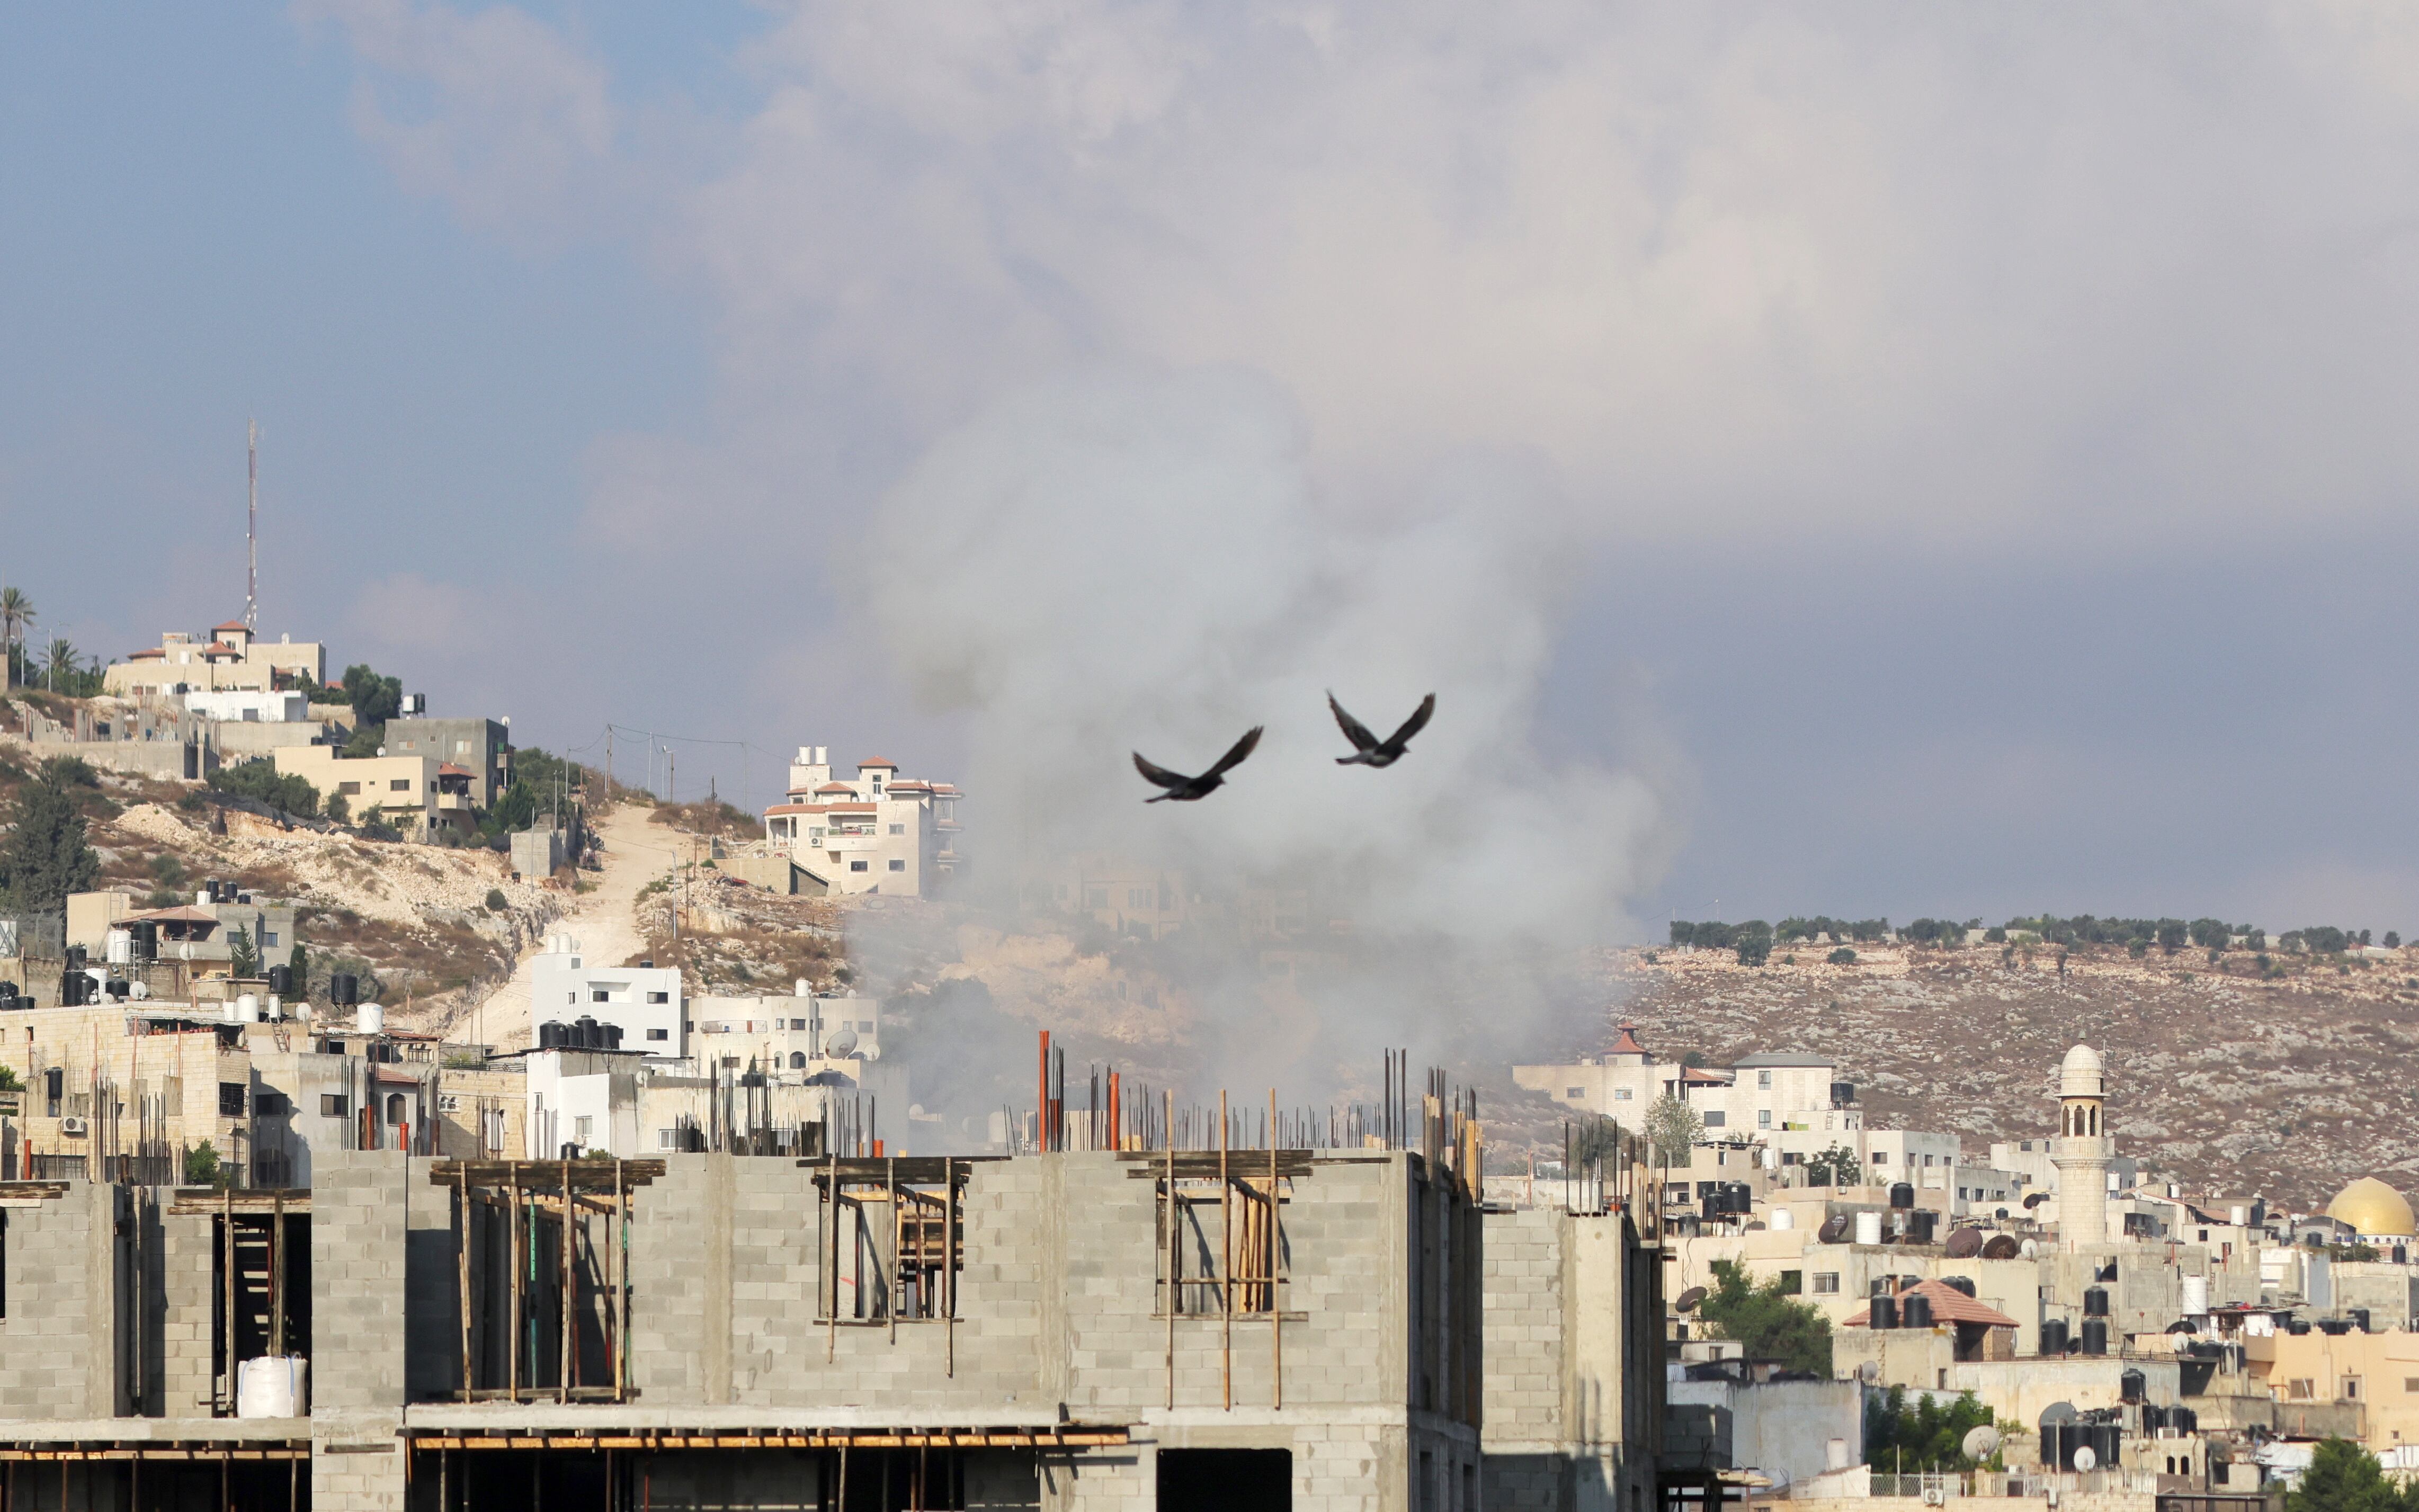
(252, 529)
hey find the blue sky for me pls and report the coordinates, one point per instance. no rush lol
(1975, 450)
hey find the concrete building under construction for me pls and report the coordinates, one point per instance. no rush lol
(1131, 1325)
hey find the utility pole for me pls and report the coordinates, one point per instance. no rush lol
(252, 529)
(608, 766)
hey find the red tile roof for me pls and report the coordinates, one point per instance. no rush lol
(1699, 1076)
(1627, 1044)
(877, 761)
(1949, 1305)
(851, 807)
(138, 655)
(181, 913)
(220, 648)
(836, 787)
(231, 624)
(449, 769)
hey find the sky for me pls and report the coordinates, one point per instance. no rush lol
(1853, 458)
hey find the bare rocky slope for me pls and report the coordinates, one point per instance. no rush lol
(2231, 1079)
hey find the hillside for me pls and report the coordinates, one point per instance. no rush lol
(2232, 1078)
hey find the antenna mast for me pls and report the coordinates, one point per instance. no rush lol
(252, 529)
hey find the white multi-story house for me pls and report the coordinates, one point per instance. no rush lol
(646, 1001)
(880, 833)
(1766, 1097)
(229, 658)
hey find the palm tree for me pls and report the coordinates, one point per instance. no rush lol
(60, 661)
(16, 612)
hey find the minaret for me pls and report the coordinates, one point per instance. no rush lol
(2081, 1152)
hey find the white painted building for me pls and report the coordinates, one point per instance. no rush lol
(880, 833)
(1763, 1095)
(732, 1033)
(249, 705)
(645, 1002)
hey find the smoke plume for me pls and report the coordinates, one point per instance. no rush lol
(1139, 559)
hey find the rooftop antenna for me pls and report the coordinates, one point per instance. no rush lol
(252, 529)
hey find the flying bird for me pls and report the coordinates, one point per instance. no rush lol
(1368, 750)
(1182, 788)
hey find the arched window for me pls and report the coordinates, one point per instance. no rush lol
(797, 1060)
(2095, 1121)
(395, 1111)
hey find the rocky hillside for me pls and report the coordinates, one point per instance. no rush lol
(2288, 1080)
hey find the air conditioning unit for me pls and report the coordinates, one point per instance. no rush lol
(73, 1128)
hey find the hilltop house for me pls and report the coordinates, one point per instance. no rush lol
(229, 658)
(881, 833)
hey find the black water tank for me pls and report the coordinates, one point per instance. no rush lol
(343, 989)
(1737, 1197)
(281, 980)
(2182, 1419)
(2095, 1335)
(71, 985)
(1959, 1283)
(2132, 1386)
(2154, 1417)
(2359, 1317)
(1884, 1312)
(76, 958)
(1921, 1223)
(2297, 1326)
(2053, 1336)
(1915, 1310)
(8, 996)
(549, 1036)
(119, 988)
(143, 939)
(1901, 1194)
(2095, 1302)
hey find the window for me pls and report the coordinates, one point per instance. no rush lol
(1764, 1081)
(1881, 1157)
(231, 1100)
(271, 1106)
(2350, 1392)
(797, 1060)
(1792, 1283)
(334, 1105)
(898, 866)
(898, 829)
(668, 1139)
(2410, 1384)
(1621, 1094)
(660, 997)
(351, 790)
(401, 784)
(2204, 1236)
(1826, 1283)
(659, 1034)
(1763, 1117)
(2299, 1390)
(857, 866)
(1716, 1118)
(268, 939)
(599, 995)
(579, 1130)
(1575, 1091)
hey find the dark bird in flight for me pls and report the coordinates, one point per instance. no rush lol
(1182, 788)
(1368, 750)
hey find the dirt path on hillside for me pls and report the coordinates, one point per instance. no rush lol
(605, 923)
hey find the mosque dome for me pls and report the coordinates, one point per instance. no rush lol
(2373, 1209)
(2078, 1074)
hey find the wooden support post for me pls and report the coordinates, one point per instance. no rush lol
(467, 1383)
(512, 1289)
(1276, 1302)
(1170, 1225)
(617, 1280)
(950, 1265)
(1226, 1263)
(567, 1357)
(226, 1198)
(893, 1287)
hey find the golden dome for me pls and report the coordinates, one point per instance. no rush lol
(2371, 1207)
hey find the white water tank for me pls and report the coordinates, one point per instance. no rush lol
(273, 1386)
(2196, 1295)
(1869, 1227)
(2238, 1215)
(370, 1018)
(1783, 1219)
(276, 1010)
(118, 947)
(247, 1009)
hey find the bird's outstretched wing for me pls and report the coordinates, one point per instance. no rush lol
(1235, 757)
(1413, 726)
(1160, 775)
(1354, 731)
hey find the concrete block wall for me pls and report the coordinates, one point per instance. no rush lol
(360, 1212)
(184, 1312)
(59, 1339)
(1524, 1298)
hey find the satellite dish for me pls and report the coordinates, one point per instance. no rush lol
(1688, 1299)
(841, 1043)
(2057, 1412)
(2001, 1248)
(2085, 1461)
(1981, 1443)
(1965, 1244)
(2036, 1199)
